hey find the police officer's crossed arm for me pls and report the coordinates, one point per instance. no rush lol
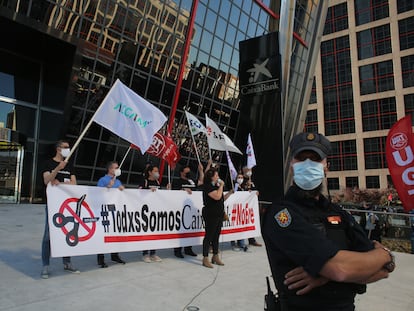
(345, 266)
(359, 267)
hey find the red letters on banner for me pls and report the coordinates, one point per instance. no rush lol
(400, 159)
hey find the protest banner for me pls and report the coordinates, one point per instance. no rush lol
(90, 220)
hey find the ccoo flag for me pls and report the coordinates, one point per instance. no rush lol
(129, 116)
(400, 158)
(194, 125)
(251, 158)
(217, 140)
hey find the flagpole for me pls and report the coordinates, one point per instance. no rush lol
(79, 139)
(169, 174)
(195, 148)
(75, 145)
(122, 162)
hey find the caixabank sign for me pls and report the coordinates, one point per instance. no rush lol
(261, 111)
(259, 67)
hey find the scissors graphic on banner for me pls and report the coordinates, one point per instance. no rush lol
(60, 221)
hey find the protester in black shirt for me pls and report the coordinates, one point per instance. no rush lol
(213, 212)
(186, 183)
(151, 175)
(56, 171)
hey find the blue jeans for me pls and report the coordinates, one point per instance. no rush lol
(46, 245)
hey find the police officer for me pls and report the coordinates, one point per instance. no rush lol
(319, 256)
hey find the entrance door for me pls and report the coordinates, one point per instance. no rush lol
(11, 156)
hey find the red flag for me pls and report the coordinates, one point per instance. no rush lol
(163, 147)
(400, 159)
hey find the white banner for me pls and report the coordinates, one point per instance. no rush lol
(129, 116)
(90, 220)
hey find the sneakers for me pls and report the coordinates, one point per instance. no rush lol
(236, 249)
(255, 243)
(155, 258)
(69, 268)
(45, 272)
(146, 258)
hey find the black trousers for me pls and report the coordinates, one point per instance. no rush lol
(213, 224)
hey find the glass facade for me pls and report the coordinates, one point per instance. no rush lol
(407, 67)
(374, 42)
(367, 11)
(337, 86)
(374, 151)
(142, 43)
(336, 19)
(406, 31)
(379, 114)
(343, 156)
(376, 78)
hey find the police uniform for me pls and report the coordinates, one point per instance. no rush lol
(305, 232)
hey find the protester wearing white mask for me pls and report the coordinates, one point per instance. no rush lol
(56, 171)
(319, 256)
(248, 185)
(151, 181)
(110, 181)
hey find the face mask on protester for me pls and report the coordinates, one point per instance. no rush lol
(156, 175)
(240, 181)
(117, 172)
(188, 175)
(249, 173)
(65, 152)
(308, 174)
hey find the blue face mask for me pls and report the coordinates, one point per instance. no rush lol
(308, 174)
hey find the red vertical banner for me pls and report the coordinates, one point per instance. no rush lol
(400, 159)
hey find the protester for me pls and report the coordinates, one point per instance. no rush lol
(56, 171)
(213, 212)
(248, 185)
(240, 244)
(319, 256)
(110, 180)
(151, 175)
(186, 183)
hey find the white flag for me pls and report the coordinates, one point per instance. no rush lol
(217, 140)
(251, 158)
(129, 116)
(232, 169)
(194, 124)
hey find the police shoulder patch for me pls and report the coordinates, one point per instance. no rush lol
(283, 218)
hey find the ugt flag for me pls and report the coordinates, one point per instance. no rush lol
(251, 158)
(129, 116)
(217, 140)
(194, 124)
(163, 147)
(400, 159)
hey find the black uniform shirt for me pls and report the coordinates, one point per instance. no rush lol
(212, 207)
(308, 232)
(184, 183)
(63, 175)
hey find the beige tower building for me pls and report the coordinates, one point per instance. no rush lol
(364, 83)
